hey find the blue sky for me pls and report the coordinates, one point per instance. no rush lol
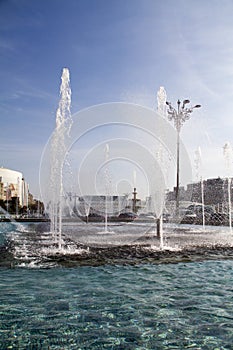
(116, 50)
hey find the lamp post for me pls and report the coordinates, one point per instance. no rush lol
(179, 116)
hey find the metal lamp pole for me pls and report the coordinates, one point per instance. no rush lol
(179, 116)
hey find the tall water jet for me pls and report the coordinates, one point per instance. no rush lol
(162, 110)
(198, 164)
(58, 152)
(106, 194)
(107, 190)
(87, 207)
(161, 101)
(157, 202)
(228, 154)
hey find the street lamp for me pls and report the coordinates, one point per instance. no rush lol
(179, 116)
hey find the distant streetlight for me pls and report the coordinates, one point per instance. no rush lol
(179, 116)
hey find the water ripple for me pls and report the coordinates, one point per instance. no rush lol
(172, 306)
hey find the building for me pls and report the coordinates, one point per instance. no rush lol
(97, 204)
(215, 193)
(13, 185)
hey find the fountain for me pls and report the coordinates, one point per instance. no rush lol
(158, 226)
(87, 208)
(58, 151)
(161, 101)
(198, 164)
(142, 143)
(132, 134)
(228, 154)
(139, 138)
(107, 190)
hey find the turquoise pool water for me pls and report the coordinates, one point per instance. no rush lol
(167, 306)
(146, 306)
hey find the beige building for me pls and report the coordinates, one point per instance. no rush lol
(12, 184)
